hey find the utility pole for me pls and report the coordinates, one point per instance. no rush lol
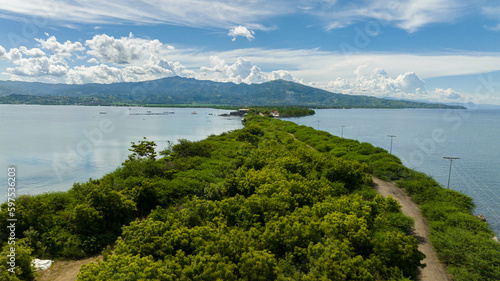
(449, 174)
(391, 136)
(318, 125)
(342, 136)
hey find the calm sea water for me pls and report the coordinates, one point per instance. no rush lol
(424, 137)
(55, 146)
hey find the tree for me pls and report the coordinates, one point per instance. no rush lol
(143, 150)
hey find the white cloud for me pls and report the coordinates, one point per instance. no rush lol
(241, 71)
(283, 75)
(35, 52)
(409, 15)
(376, 82)
(2, 53)
(194, 13)
(14, 55)
(131, 59)
(94, 74)
(448, 94)
(124, 50)
(65, 49)
(151, 69)
(40, 66)
(241, 31)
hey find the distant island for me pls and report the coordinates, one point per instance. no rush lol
(188, 92)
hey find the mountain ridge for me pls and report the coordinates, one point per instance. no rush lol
(189, 91)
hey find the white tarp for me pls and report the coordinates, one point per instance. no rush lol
(41, 264)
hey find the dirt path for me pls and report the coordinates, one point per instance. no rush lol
(434, 269)
(64, 270)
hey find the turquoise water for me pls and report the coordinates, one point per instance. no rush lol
(424, 137)
(54, 146)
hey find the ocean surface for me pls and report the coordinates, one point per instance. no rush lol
(54, 146)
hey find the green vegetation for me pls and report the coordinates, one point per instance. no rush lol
(193, 93)
(462, 241)
(284, 111)
(253, 204)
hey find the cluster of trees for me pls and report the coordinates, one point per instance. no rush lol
(253, 204)
(284, 111)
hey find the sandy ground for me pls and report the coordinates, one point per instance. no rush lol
(434, 270)
(64, 270)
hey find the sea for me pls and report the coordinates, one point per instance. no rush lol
(422, 138)
(52, 147)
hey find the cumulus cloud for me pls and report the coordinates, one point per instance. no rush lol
(241, 71)
(35, 52)
(124, 50)
(448, 94)
(14, 55)
(65, 49)
(94, 74)
(40, 66)
(376, 82)
(241, 31)
(2, 53)
(105, 59)
(283, 75)
(93, 60)
(151, 69)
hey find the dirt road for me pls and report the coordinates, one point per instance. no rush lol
(434, 269)
(64, 270)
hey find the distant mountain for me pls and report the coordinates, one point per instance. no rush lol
(192, 92)
(474, 106)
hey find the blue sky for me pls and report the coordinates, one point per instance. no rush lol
(434, 50)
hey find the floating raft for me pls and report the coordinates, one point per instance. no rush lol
(150, 113)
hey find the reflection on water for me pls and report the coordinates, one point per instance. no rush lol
(55, 146)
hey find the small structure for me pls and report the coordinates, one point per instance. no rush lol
(41, 264)
(241, 112)
(275, 114)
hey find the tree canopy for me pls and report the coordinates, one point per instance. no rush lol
(253, 204)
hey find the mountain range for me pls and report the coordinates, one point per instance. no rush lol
(191, 92)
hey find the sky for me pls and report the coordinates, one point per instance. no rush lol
(429, 50)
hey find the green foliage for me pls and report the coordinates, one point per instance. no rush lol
(254, 204)
(462, 241)
(143, 150)
(187, 148)
(22, 254)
